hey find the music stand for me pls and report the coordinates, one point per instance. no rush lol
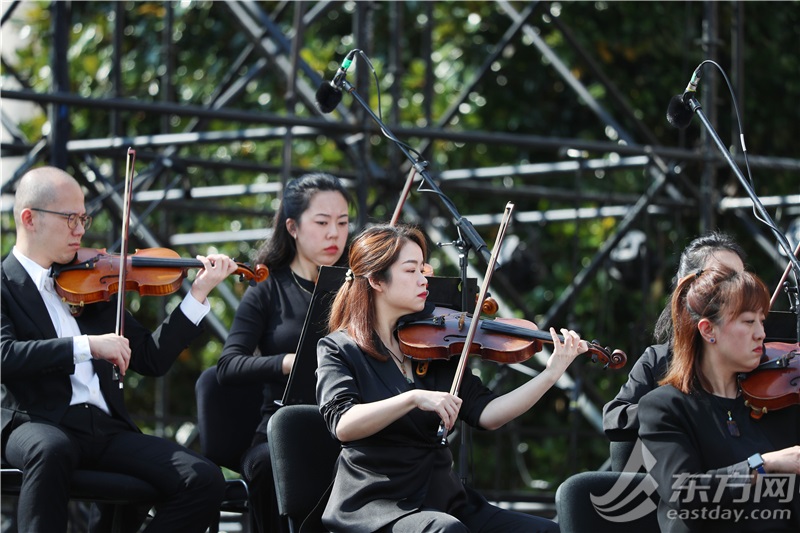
(301, 388)
(780, 327)
(302, 385)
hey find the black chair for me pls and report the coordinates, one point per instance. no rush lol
(303, 456)
(119, 490)
(227, 418)
(620, 452)
(607, 502)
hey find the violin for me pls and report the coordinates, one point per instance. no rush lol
(93, 276)
(502, 340)
(775, 383)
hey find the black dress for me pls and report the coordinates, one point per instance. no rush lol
(403, 467)
(688, 435)
(267, 326)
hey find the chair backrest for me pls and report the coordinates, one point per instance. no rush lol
(303, 456)
(227, 418)
(607, 502)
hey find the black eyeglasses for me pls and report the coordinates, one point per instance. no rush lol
(72, 218)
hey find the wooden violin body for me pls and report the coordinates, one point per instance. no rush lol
(775, 384)
(94, 274)
(502, 340)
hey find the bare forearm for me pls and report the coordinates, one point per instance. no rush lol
(366, 419)
(509, 406)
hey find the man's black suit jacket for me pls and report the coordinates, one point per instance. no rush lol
(36, 365)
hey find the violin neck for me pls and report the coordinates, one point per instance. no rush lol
(165, 262)
(518, 331)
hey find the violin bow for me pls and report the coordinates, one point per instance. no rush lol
(473, 326)
(783, 278)
(427, 269)
(403, 196)
(123, 256)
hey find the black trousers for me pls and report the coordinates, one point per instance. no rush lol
(257, 472)
(192, 487)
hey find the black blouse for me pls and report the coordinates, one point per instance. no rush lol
(404, 466)
(695, 456)
(266, 327)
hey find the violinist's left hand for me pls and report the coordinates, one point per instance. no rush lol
(216, 267)
(510, 405)
(564, 353)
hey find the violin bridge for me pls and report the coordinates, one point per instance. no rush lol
(461, 320)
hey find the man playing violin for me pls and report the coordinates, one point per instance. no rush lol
(62, 405)
(394, 474)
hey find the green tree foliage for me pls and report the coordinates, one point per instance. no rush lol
(642, 52)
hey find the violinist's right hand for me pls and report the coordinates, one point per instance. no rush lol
(112, 348)
(443, 404)
(287, 363)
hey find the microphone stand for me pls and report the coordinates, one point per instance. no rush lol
(466, 229)
(696, 108)
(468, 237)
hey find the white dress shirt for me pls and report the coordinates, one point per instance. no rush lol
(85, 383)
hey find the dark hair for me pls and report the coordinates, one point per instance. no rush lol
(279, 250)
(372, 254)
(695, 257)
(717, 294)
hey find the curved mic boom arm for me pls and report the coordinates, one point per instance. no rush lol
(696, 108)
(466, 229)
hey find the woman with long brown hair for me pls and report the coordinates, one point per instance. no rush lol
(393, 473)
(709, 454)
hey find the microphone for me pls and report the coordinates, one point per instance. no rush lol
(679, 114)
(329, 94)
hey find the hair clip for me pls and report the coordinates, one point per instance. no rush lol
(698, 273)
(348, 276)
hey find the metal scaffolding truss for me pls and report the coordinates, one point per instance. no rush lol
(163, 184)
(272, 48)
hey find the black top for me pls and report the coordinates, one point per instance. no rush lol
(266, 327)
(404, 466)
(620, 419)
(688, 434)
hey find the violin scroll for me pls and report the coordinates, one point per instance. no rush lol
(250, 274)
(609, 359)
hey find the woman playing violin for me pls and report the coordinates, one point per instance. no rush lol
(709, 454)
(393, 473)
(620, 420)
(310, 230)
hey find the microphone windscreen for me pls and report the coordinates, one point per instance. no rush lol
(328, 97)
(678, 113)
